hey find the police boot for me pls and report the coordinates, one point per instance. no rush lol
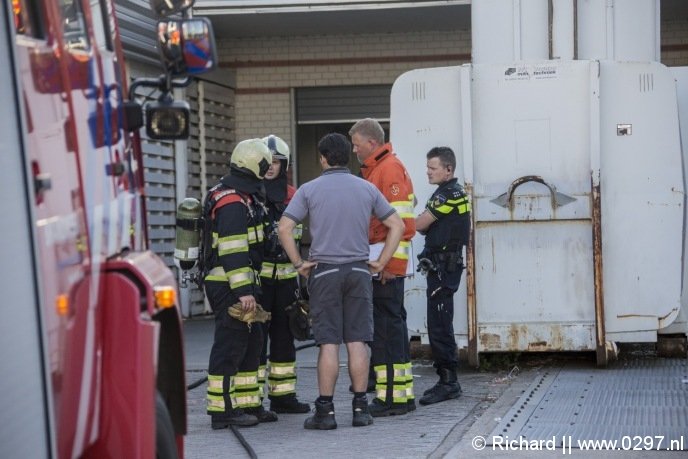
(288, 404)
(262, 414)
(234, 417)
(323, 419)
(446, 389)
(361, 415)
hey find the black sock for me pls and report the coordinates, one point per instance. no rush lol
(325, 399)
(360, 395)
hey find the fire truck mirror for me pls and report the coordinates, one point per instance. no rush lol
(167, 119)
(187, 46)
(164, 8)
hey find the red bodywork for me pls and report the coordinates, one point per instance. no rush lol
(96, 278)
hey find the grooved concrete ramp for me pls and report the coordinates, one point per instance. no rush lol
(637, 403)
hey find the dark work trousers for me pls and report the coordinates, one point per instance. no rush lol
(277, 295)
(236, 347)
(440, 295)
(390, 334)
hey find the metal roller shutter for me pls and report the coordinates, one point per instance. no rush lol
(342, 104)
(136, 24)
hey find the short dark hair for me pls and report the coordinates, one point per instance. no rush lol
(446, 156)
(336, 149)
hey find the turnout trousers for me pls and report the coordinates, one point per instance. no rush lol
(390, 356)
(281, 375)
(234, 356)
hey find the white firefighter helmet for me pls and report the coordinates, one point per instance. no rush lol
(279, 149)
(251, 156)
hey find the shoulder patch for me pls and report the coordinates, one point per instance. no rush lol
(394, 189)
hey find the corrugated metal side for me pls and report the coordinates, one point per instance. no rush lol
(213, 135)
(159, 177)
(342, 104)
(137, 29)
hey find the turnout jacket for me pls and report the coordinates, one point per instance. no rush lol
(276, 264)
(384, 170)
(237, 240)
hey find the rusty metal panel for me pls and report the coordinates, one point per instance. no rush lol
(532, 203)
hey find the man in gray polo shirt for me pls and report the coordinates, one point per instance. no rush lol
(338, 270)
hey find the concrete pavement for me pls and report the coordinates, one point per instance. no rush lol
(450, 429)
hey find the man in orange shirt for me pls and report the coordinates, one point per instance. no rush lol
(391, 359)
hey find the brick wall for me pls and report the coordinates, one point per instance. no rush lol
(268, 67)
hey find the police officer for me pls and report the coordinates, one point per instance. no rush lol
(446, 225)
(233, 247)
(279, 284)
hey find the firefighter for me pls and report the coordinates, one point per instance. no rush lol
(279, 285)
(234, 215)
(391, 358)
(446, 225)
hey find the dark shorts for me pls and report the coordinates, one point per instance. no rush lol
(341, 301)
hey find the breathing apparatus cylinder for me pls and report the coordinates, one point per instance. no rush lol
(188, 233)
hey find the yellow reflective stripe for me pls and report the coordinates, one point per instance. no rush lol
(282, 388)
(297, 232)
(404, 208)
(282, 369)
(215, 383)
(398, 395)
(246, 401)
(240, 277)
(248, 378)
(216, 274)
(215, 403)
(232, 244)
(255, 234)
(403, 251)
(262, 372)
(380, 373)
(281, 270)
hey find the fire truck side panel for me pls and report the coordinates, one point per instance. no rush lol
(96, 285)
(127, 378)
(23, 357)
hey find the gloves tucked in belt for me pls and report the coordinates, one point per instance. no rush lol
(299, 319)
(257, 315)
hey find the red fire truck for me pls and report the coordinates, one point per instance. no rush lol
(91, 350)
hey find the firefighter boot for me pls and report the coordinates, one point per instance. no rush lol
(234, 417)
(288, 404)
(262, 414)
(446, 389)
(361, 415)
(380, 409)
(323, 419)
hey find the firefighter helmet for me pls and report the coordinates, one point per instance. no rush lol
(279, 150)
(251, 157)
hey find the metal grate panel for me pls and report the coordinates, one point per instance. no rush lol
(612, 404)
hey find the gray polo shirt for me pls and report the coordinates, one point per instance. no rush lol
(340, 206)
